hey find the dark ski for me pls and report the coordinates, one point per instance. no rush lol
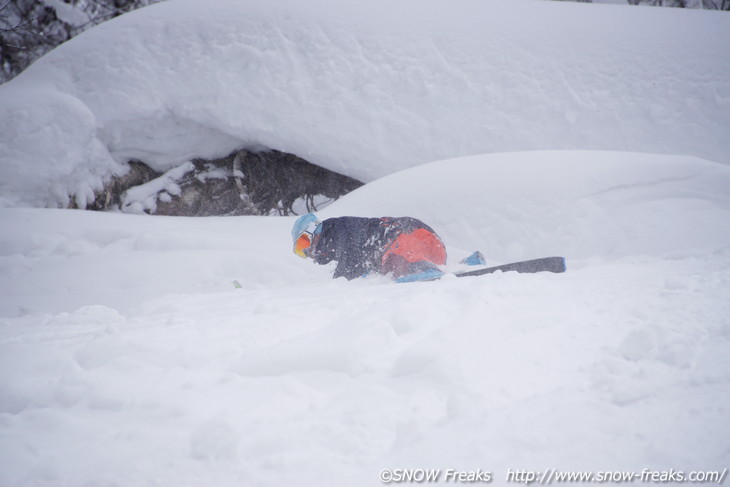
(546, 264)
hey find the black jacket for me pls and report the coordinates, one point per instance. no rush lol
(358, 244)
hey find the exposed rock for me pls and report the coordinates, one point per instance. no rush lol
(111, 196)
(275, 180)
(243, 183)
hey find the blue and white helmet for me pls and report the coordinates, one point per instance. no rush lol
(304, 223)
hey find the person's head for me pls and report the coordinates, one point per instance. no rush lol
(303, 233)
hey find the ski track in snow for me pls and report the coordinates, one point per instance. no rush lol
(128, 358)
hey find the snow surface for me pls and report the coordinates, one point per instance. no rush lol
(363, 88)
(127, 357)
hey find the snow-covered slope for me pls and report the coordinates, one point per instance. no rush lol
(364, 88)
(128, 358)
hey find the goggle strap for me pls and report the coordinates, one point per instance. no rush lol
(312, 227)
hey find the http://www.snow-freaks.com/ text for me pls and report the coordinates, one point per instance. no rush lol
(550, 476)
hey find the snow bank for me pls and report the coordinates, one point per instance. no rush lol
(128, 358)
(583, 204)
(364, 89)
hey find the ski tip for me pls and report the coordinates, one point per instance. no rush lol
(550, 264)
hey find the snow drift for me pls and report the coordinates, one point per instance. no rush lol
(363, 89)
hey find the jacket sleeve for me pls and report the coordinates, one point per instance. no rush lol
(343, 240)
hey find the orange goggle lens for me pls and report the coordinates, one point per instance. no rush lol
(302, 243)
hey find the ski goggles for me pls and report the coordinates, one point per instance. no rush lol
(302, 244)
(304, 241)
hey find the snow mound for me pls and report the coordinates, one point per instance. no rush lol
(364, 89)
(580, 204)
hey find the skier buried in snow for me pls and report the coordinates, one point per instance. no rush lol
(397, 247)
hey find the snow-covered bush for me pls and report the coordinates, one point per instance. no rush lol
(31, 28)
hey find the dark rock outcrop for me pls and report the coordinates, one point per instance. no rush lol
(275, 180)
(243, 183)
